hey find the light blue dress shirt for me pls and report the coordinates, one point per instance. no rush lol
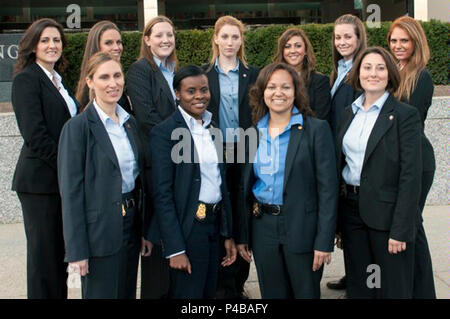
(355, 139)
(343, 68)
(121, 144)
(168, 73)
(270, 160)
(229, 104)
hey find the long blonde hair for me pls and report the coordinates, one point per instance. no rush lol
(360, 32)
(418, 61)
(146, 52)
(222, 21)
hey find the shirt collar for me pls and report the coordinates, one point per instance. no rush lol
(160, 65)
(296, 119)
(345, 65)
(219, 69)
(50, 74)
(190, 121)
(121, 114)
(358, 103)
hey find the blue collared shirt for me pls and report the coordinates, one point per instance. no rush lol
(270, 160)
(229, 104)
(121, 144)
(168, 72)
(343, 68)
(355, 139)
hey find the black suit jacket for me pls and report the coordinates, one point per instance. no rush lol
(343, 97)
(421, 98)
(91, 186)
(176, 187)
(41, 112)
(392, 169)
(319, 95)
(310, 191)
(247, 76)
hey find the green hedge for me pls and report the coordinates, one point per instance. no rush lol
(193, 47)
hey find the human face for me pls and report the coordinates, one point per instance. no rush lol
(194, 95)
(111, 42)
(161, 40)
(49, 48)
(107, 83)
(294, 51)
(345, 40)
(279, 94)
(401, 45)
(229, 41)
(373, 74)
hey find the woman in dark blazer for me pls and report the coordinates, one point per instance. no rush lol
(149, 86)
(348, 40)
(288, 190)
(295, 49)
(230, 78)
(192, 207)
(104, 36)
(409, 45)
(100, 173)
(379, 157)
(42, 105)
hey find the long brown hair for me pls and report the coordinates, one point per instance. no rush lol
(30, 40)
(259, 107)
(222, 21)
(92, 47)
(419, 58)
(393, 74)
(92, 66)
(308, 65)
(146, 52)
(360, 32)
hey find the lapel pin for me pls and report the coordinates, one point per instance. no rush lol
(391, 117)
(300, 127)
(244, 75)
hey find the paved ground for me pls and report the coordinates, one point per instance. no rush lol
(437, 225)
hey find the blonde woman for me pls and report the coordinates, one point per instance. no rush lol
(409, 45)
(230, 77)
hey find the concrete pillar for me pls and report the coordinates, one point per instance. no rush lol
(421, 10)
(439, 10)
(150, 8)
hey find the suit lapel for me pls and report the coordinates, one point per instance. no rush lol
(347, 119)
(382, 125)
(99, 132)
(132, 138)
(295, 139)
(165, 86)
(243, 82)
(214, 87)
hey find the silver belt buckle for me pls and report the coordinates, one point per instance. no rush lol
(278, 210)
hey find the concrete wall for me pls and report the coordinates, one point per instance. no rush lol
(426, 10)
(437, 129)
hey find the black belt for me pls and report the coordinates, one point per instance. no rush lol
(204, 209)
(352, 189)
(260, 208)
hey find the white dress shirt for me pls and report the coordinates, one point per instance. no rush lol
(343, 68)
(355, 139)
(56, 79)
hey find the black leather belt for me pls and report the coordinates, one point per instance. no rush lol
(204, 209)
(260, 208)
(352, 189)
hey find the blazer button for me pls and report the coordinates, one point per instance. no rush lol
(118, 203)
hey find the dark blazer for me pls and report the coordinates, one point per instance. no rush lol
(41, 112)
(392, 169)
(150, 96)
(421, 98)
(319, 95)
(343, 97)
(91, 186)
(123, 102)
(176, 188)
(310, 190)
(247, 76)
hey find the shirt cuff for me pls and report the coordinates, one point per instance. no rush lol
(176, 254)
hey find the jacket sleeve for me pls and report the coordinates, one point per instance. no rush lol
(28, 106)
(163, 176)
(71, 168)
(407, 204)
(422, 96)
(322, 98)
(327, 186)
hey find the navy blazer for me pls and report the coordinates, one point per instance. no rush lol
(343, 97)
(176, 188)
(91, 186)
(319, 95)
(310, 190)
(392, 169)
(247, 76)
(41, 112)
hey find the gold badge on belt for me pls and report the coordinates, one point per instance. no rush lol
(201, 211)
(255, 209)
